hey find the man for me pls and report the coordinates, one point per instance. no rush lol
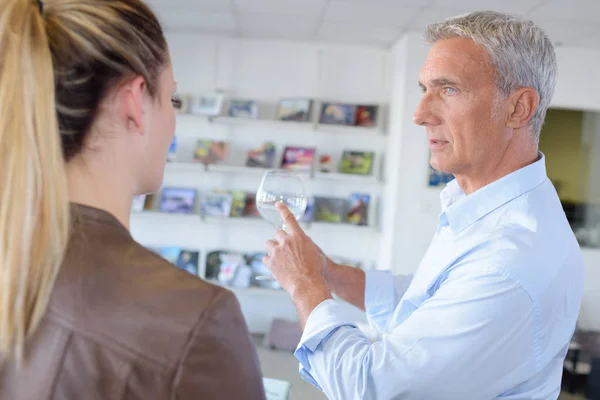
(491, 309)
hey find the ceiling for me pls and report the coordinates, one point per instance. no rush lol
(574, 23)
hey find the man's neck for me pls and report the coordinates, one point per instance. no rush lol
(505, 165)
(93, 186)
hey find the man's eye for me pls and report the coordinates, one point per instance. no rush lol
(450, 91)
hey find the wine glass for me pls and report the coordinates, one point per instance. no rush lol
(276, 186)
(284, 186)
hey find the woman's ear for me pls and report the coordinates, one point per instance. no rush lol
(132, 102)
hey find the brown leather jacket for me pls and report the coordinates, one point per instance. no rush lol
(125, 324)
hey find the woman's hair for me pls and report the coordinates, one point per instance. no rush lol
(58, 61)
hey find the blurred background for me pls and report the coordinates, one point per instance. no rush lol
(262, 81)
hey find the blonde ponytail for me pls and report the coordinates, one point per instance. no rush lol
(34, 208)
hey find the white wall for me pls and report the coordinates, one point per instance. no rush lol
(411, 208)
(589, 315)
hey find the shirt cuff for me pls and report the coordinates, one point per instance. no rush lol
(322, 322)
(380, 296)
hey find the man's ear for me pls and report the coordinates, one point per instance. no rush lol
(132, 99)
(523, 104)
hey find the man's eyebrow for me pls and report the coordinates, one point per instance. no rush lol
(441, 82)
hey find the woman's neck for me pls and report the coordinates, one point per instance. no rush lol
(98, 184)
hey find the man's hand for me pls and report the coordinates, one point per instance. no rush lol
(298, 265)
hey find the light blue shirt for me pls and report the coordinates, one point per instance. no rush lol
(488, 314)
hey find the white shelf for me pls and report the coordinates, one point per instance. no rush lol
(197, 167)
(193, 167)
(175, 166)
(263, 122)
(337, 176)
(348, 129)
(272, 123)
(160, 216)
(323, 225)
(258, 222)
(253, 290)
(236, 169)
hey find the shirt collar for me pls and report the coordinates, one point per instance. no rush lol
(461, 211)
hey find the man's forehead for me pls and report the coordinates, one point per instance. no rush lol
(456, 59)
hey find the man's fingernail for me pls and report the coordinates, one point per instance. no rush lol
(279, 204)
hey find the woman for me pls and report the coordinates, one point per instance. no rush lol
(86, 121)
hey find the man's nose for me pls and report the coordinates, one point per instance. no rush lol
(424, 114)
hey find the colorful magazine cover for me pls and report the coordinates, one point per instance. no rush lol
(358, 214)
(262, 157)
(172, 155)
(250, 209)
(328, 209)
(206, 105)
(186, 260)
(366, 115)
(243, 109)
(210, 151)
(438, 178)
(338, 114)
(216, 204)
(298, 158)
(222, 265)
(357, 162)
(238, 203)
(178, 200)
(309, 213)
(294, 110)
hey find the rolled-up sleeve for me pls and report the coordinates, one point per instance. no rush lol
(473, 339)
(383, 292)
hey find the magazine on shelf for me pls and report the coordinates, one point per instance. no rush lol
(366, 115)
(172, 155)
(250, 210)
(298, 158)
(184, 259)
(238, 203)
(438, 178)
(238, 269)
(177, 200)
(357, 162)
(222, 265)
(262, 157)
(210, 151)
(243, 109)
(358, 213)
(294, 110)
(338, 114)
(325, 163)
(209, 105)
(328, 209)
(260, 270)
(216, 204)
(309, 213)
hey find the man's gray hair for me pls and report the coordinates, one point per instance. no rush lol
(520, 51)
